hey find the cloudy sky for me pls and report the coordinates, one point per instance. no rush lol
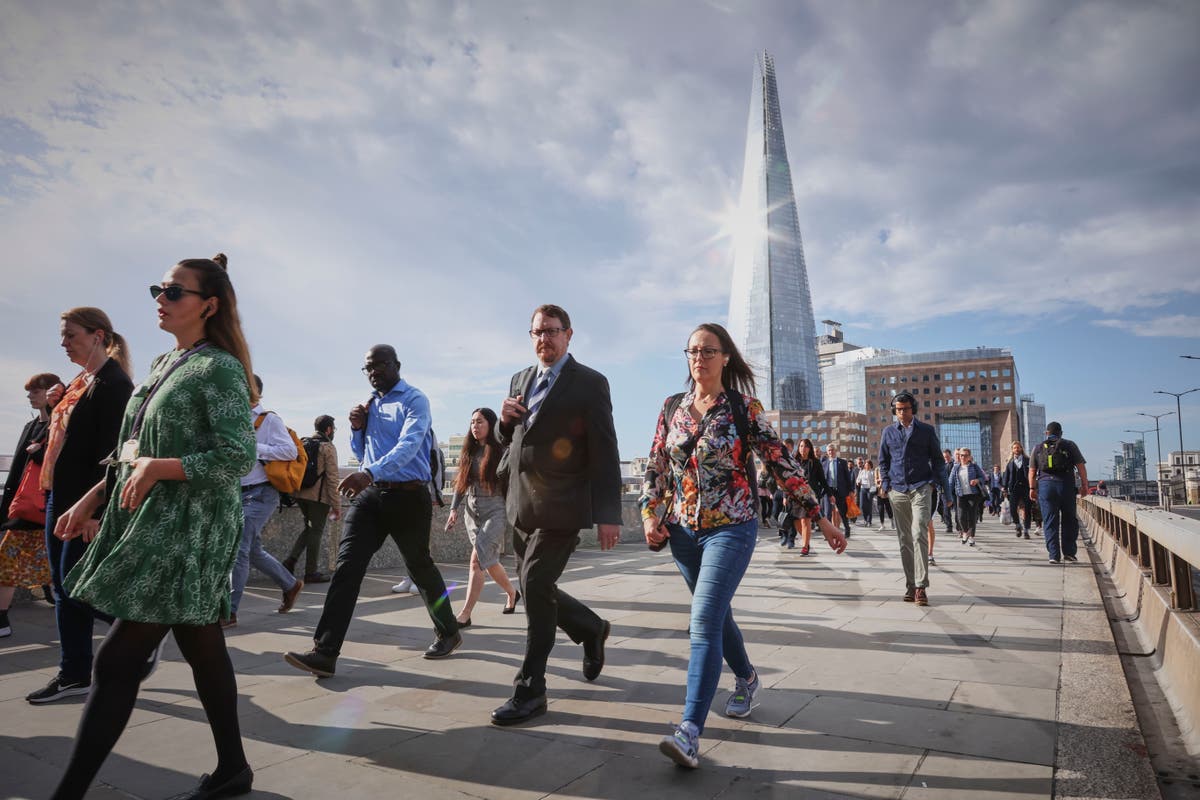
(1019, 174)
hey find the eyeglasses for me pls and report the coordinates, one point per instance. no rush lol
(549, 333)
(369, 368)
(707, 353)
(172, 292)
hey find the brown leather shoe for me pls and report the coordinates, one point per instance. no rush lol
(910, 594)
(289, 597)
(922, 599)
(230, 621)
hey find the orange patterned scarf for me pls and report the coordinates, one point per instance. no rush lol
(59, 418)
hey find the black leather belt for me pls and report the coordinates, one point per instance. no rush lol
(254, 486)
(399, 484)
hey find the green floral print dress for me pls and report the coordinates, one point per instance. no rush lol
(168, 562)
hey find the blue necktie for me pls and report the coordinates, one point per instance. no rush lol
(539, 394)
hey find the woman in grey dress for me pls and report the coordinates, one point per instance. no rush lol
(477, 489)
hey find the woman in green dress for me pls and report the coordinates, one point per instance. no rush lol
(161, 558)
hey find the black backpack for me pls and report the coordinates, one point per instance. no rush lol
(312, 446)
(1056, 459)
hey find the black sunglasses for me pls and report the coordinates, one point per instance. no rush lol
(173, 292)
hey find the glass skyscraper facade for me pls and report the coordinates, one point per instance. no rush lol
(770, 307)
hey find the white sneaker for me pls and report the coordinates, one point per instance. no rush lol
(881, 526)
(406, 586)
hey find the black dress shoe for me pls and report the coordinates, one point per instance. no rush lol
(464, 624)
(317, 663)
(593, 654)
(237, 785)
(515, 711)
(444, 646)
(512, 609)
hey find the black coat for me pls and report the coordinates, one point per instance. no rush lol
(564, 470)
(92, 432)
(34, 430)
(815, 476)
(1016, 481)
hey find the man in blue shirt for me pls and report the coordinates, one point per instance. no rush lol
(911, 464)
(392, 439)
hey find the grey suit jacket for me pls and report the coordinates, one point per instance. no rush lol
(564, 471)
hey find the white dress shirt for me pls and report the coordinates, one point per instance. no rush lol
(274, 444)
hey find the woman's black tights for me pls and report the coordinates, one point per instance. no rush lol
(117, 674)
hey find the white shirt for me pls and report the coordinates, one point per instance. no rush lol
(274, 444)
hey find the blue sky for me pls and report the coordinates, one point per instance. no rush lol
(1017, 174)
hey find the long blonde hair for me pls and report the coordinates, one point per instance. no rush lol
(224, 328)
(92, 320)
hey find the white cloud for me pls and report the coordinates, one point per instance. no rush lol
(1182, 326)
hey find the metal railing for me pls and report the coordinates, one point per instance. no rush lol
(1165, 544)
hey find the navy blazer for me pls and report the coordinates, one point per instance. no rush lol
(844, 483)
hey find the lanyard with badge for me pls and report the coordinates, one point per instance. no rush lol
(129, 449)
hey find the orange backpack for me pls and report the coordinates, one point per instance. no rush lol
(285, 475)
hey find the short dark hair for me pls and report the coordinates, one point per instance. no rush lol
(904, 397)
(1054, 428)
(43, 380)
(551, 310)
(322, 422)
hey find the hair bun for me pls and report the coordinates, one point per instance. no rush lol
(222, 260)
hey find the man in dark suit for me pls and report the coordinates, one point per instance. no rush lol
(563, 473)
(837, 475)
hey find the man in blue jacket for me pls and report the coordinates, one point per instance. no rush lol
(911, 464)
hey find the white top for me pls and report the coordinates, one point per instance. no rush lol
(274, 444)
(866, 478)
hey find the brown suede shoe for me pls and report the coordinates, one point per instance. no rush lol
(922, 599)
(289, 597)
(910, 594)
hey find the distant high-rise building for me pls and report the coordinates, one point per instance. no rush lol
(770, 307)
(1033, 422)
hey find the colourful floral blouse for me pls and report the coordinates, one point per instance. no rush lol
(708, 488)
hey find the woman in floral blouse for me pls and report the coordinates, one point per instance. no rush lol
(699, 495)
(161, 558)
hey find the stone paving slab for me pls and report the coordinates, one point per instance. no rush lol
(864, 695)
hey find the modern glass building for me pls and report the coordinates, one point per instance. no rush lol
(770, 307)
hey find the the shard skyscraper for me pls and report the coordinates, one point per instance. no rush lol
(770, 308)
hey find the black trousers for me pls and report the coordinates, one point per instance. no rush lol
(404, 515)
(828, 503)
(1017, 500)
(542, 556)
(309, 539)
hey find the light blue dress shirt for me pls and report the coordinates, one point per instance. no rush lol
(396, 442)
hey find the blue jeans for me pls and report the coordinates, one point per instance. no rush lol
(258, 504)
(712, 565)
(1057, 501)
(75, 619)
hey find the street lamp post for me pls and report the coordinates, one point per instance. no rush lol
(1157, 438)
(1178, 412)
(1143, 433)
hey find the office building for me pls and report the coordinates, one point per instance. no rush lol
(846, 429)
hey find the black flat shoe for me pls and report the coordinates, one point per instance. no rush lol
(515, 711)
(512, 609)
(465, 624)
(237, 785)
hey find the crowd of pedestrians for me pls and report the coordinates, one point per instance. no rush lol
(144, 507)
